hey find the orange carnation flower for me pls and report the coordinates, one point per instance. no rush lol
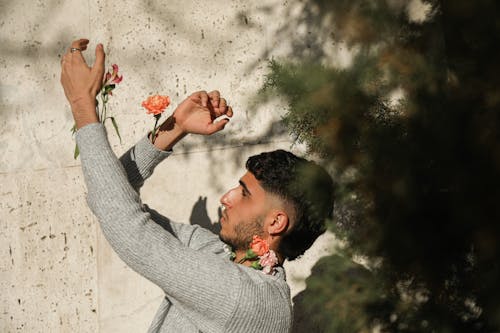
(156, 104)
(259, 246)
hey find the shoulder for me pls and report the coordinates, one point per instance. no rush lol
(192, 236)
(264, 303)
(205, 240)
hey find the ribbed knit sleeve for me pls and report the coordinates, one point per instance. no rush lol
(140, 161)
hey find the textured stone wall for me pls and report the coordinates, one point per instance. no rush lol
(57, 273)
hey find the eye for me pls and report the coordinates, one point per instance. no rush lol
(243, 192)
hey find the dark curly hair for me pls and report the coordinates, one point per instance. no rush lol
(302, 184)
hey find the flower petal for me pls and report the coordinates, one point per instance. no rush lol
(156, 104)
(106, 77)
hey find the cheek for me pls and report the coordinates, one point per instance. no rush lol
(232, 197)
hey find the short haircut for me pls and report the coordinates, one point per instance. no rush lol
(303, 185)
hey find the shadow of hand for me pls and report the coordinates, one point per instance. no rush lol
(199, 216)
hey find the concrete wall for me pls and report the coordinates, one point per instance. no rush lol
(57, 273)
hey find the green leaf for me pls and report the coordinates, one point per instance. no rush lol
(115, 125)
(73, 129)
(250, 254)
(109, 88)
(256, 265)
(77, 152)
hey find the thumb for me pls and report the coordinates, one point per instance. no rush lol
(218, 126)
(98, 67)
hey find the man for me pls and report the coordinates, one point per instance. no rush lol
(211, 283)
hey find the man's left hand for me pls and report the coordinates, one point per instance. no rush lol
(82, 83)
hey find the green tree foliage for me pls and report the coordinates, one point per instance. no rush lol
(337, 297)
(419, 176)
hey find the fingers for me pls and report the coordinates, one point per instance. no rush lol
(204, 98)
(217, 105)
(99, 58)
(200, 97)
(214, 98)
(223, 109)
(80, 44)
(98, 68)
(222, 103)
(217, 126)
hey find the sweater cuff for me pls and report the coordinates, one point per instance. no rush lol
(91, 137)
(147, 154)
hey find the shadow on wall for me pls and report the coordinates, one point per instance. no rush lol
(341, 296)
(199, 216)
(302, 322)
(305, 317)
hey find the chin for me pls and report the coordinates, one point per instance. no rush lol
(224, 239)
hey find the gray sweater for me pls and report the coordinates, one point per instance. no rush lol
(204, 290)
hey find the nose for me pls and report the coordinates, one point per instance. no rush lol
(224, 200)
(229, 198)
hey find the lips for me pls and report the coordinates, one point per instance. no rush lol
(223, 214)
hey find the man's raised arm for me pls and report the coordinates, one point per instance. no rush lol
(81, 83)
(196, 114)
(140, 160)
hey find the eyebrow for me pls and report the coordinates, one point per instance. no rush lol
(242, 183)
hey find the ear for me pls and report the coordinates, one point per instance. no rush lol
(279, 224)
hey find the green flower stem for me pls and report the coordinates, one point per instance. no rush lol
(256, 265)
(101, 112)
(153, 133)
(249, 255)
(104, 108)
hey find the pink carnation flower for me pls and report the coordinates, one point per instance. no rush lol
(111, 78)
(268, 261)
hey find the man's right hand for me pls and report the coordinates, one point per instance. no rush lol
(197, 113)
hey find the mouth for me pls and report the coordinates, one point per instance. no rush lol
(223, 214)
